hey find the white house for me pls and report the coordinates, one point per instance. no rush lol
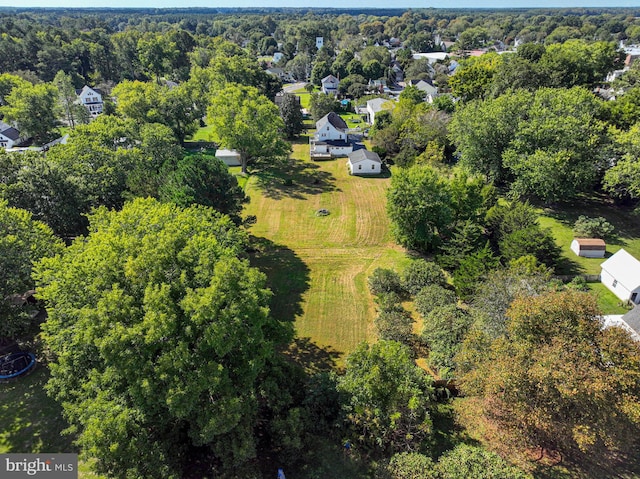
(364, 162)
(589, 247)
(621, 274)
(229, 157)
(330, 139)
(9, 136)
(91, 99)
(330, 85)
(432, 57)
(376, 106)
(319, 42)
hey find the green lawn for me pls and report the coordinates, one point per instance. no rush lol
(608, 302)
(318, 265)
(203, 134)
(561, 220)
(30, 421)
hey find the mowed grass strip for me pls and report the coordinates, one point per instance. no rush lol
(335, 253)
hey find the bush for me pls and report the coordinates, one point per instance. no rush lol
(586, 227)
(421, 273)
(411, 465)
(466, 462)
(395, 325)
(384, 281)
(433, 296)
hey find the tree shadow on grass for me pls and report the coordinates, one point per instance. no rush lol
(294, 179)
(287, 277)
(313, 358)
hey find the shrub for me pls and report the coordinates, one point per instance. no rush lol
(421, 273)
(384, 281)
(586, 227)
(433, 296)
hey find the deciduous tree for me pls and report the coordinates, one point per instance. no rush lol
(158, 335)
(248, 122)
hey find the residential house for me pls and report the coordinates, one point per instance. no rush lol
(432, 57)
(330, 139)
(280, 73)
(364, 162)
(430, 91)
(632, 322)
(589, 247)
(319, 42)
(280, 96)
(91, 98)
(330, 85)
(9, 136)
(621, 274)
(375, 106)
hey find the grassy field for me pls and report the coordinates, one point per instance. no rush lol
(608, 302)
(318, 265)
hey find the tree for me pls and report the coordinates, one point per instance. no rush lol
(443, 332)
(419, 206)
(420, 274)
(472, 269)
(474, 77)
(557, 380)
(521, 278)
(622, 179)
(248, 122)
(33, 108)
(291, 115)
(23, 242)
(394, 323)
(321, 104)
(586, 227)
(155, 103)
(387, 397)
(465, 461)
(46, 189)
(159, 335)
(319, 71)
(74, 112)
(433, 296)
(204, 180)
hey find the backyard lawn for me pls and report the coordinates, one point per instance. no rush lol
(318, 265)
(561, 220)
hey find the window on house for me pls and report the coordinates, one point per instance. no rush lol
(373, 167)
(327, 128)
(359, 167)
(615, 283)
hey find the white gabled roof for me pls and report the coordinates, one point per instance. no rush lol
(624, 268)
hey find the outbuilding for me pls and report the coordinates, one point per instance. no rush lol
(589, 247)
(621, 274)
(229, 157)
(364, 162)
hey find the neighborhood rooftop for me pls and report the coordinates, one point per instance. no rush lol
(362, 155)
(624, 268)
(332, 118)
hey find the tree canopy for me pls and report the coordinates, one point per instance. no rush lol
(158, 334)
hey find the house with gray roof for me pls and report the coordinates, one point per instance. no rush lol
(330, 139)
(330, 85)
(9, 136)
(377, 105)
(364, 162)
(91, 99)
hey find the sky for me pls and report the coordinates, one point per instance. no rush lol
(325, 4)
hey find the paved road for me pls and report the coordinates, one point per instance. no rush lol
(293, 87)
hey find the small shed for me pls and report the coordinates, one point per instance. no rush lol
(364, 162)
(229, 157)
(589, 247)
(621, 274)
